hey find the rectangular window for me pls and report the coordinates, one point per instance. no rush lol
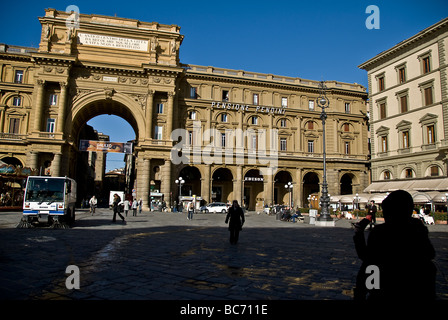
(405, 137)
(347, 147)
(50, 125)
(430, 134)
(53, 99)
(311, 105)
(402, 75)
(310, 125)
(14, 125)
(192, 115)
(381, 83)
(382, 110)
(283, 144)
(404, 103)
(160, 108)
(284, 102)
(428, 96)
(193, 93)
(384, 144)
(346, 127)
(158, 133)
(283, 123)
(434, 171)
(254, 142)
(310, 146)
(17, 101)
(223, 140)
(190, 137)
(18, 76)
(225, 95)
(224, 117)
(347, 107)
(256, 101)
(426, 64)
(254, 120)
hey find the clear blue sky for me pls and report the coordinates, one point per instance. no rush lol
(319, 40)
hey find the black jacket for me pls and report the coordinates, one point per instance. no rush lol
(236, 216)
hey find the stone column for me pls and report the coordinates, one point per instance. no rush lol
(269, 185)
(169, 121)
(39, 105)
(62, 107)
(238, 184)
(166, 182)
(145, 177)
(206, 184)
(56, 165)
(149, 107)
(2, 118)
(32, 160)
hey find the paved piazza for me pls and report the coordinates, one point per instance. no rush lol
(164, 256)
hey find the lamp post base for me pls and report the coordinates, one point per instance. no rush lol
(325, 223)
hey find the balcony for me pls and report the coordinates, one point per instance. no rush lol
(12, 136)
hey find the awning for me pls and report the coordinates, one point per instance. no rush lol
(429, 184)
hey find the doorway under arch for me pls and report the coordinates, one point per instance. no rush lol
(310, 185)
(222, 185)
(192, 177)
(281, 194)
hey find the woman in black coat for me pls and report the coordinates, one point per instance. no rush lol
(236, 216)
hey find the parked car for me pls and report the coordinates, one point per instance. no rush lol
(214, 207)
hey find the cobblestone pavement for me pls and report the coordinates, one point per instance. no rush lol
(164, 256)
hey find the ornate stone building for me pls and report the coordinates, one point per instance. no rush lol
(408, 102)
(240, 135)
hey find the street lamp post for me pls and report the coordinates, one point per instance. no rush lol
(356, 198)
(180, 182)
(289, 188)
(324, 103)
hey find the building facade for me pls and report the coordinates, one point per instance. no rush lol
(408, 101)
(230, 134)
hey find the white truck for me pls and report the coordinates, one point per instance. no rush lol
(49, 200)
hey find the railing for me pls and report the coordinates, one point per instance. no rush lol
(12, 136)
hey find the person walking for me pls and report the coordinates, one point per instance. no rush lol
(116, 207)
(93, 202)
(134, 207)
(140, 205)
(371, 211)
(190, 210)
(235, 218)
(126, 205)
(401, 252)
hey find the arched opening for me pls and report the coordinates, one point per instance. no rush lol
(12, 161)
(281, 194)
(192, 178)
(97, 173)
(222, 185)
(253, 190)
(347, 184)
(310, 185)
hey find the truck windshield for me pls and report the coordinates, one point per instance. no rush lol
(44, 189)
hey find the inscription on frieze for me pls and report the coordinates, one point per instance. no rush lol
(99, 40)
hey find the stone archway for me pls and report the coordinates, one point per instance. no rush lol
(222, 185)
(310, 185)
(281, 194)
(192, 177)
